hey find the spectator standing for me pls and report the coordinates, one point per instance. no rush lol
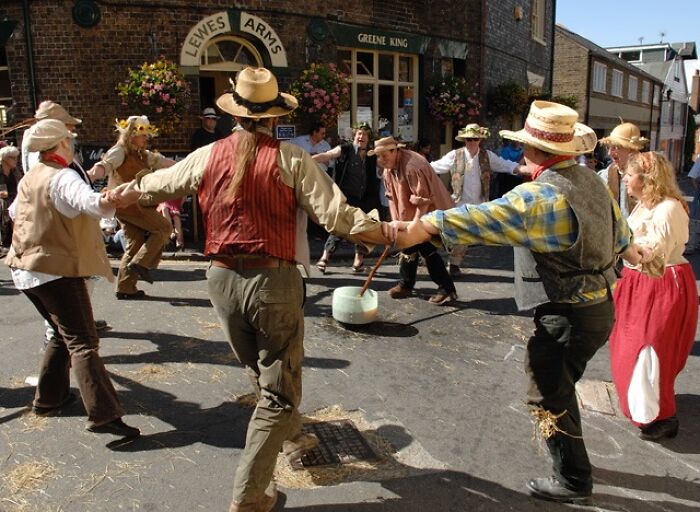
(470, 171)
(315, 143)
(207, 133)
(10, 177)
(356, 176)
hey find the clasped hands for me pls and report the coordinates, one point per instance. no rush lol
(637, 254)
(123, 195)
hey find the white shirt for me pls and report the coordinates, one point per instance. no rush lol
(71, 196)
(471, 192)
(304, 142)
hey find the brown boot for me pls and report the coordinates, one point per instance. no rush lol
(302, 443)
(399, 292)
(265, 504)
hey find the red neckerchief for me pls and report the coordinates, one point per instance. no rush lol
(53, 157)
(547, 164)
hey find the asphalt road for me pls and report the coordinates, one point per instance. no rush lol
(442, 385)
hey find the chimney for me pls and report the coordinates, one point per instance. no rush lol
(695, 92)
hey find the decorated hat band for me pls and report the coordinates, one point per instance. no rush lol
(550, 136)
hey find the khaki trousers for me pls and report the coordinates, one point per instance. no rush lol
(136, 221)
(261, 314)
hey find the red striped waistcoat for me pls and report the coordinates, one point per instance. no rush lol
(261, 218)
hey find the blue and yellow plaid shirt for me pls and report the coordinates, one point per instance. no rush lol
(532, 215)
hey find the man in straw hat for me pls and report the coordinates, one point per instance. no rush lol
(47, 110)
(624, 141)
(470, 169)
(413, 189)
(51, 110)
(254, 193)
(566, 231)
(56, 245)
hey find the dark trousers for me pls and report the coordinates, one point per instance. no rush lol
(65, 305)
(332, 244)
(408, 267)
(332, 241)
(566, 337)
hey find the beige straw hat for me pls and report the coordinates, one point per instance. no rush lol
(256, 95)
(385, 144)
(552, 127)
(626, 135)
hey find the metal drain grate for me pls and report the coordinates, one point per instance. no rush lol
(339, 443)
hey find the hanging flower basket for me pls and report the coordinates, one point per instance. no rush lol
(453, 100)
(323, 93)
(158, 90)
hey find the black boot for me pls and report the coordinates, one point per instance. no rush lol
(659, 429)
(551, 489)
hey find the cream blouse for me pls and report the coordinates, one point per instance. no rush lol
(663, 229)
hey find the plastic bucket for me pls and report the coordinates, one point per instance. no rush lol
(349, 308)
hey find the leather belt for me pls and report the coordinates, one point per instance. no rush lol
(249, 262)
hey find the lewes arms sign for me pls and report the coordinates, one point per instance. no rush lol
(231, 22)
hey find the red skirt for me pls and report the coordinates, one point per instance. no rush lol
(657, 312)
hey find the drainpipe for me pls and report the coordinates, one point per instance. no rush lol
(30, 53)
(589, 88)
(551, 56)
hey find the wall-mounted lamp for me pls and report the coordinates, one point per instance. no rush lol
(518, 13)
(668, 94)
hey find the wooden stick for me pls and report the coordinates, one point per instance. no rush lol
(376, 266)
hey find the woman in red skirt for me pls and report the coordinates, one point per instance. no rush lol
(656, 303)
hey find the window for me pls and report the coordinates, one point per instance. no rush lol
(632, 86)
(616, 88)
(657, 95)
(677, 113)
(537, 20)
(630, 55)
(384, 88)
(664, 112)
(228, 53)
(645, 92)
(600, 77)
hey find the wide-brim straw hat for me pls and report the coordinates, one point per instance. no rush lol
(626, 135)
(46, 134)
(385, 144)
(136, 125)
(473, 131)
(50, 110)
(256, 95)
(553, 128)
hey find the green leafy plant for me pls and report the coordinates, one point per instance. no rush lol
(453, 99)
(507, 99)
(323, 93)
(158, 90)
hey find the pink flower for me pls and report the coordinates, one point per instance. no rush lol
(146, 102)
(159, 109)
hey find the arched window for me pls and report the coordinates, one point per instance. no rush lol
(229, 53)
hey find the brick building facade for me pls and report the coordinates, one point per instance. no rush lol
(488, 42)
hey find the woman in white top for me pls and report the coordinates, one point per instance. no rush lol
(656, 303)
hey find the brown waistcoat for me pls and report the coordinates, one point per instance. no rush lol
(44, 240)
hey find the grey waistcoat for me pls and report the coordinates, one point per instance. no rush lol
(587, 265)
